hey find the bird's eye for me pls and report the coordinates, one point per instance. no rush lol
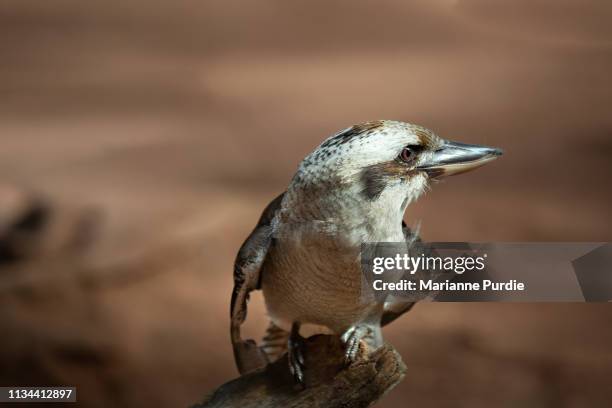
(407, 155)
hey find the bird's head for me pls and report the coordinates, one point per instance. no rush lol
(386, 163)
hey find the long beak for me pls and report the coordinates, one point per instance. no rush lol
(455, 158)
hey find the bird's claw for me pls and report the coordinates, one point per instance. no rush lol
(352, 339)
(295, 354)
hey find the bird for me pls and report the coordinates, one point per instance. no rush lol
(303, 253)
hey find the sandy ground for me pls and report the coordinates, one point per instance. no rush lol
(161, 129)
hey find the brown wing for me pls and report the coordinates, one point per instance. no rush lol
(247, 277)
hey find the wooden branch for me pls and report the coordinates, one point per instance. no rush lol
(329, 382)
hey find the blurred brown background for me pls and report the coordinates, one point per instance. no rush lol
(141, 139)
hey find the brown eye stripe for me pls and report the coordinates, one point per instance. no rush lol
(376, 177)
(426, 137)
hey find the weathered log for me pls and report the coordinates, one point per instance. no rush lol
(329, 381)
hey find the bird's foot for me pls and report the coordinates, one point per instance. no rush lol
(351, 339)
(295, 354)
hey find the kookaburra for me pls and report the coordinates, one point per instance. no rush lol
(304, 252)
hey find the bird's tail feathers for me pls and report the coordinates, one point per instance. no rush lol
(274, 343)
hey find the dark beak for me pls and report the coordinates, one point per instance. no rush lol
(456, 158)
